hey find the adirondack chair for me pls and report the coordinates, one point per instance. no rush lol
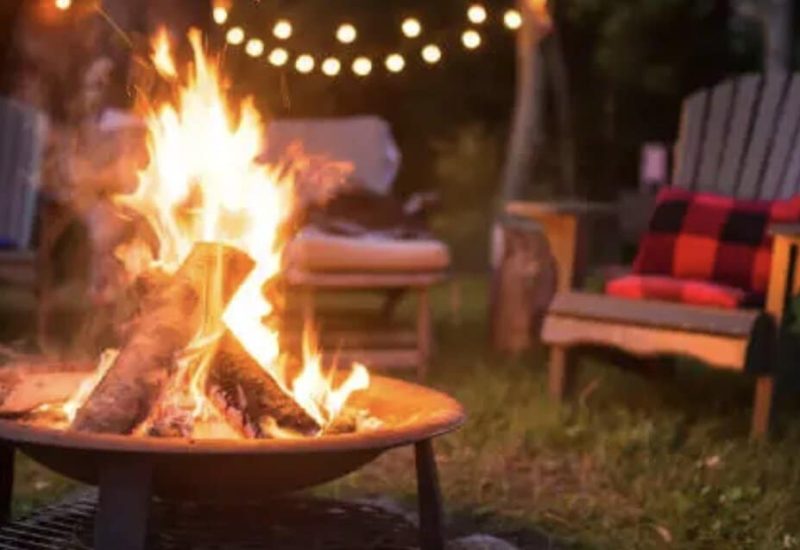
(325, 263)
(20, 157)
(739, 138)
(25, 247)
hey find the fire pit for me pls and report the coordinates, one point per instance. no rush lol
(130, 470)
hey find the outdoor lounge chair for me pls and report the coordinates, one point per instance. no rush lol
(326, 262)
(22, 130)
(740, 139)
(20, 159)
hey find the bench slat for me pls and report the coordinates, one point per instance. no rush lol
(651, 313)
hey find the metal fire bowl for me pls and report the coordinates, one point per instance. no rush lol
(220, 469)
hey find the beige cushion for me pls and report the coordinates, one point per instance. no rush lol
(316, 251)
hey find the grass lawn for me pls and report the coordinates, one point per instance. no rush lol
(633, 462)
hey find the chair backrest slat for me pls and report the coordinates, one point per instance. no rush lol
(763, 133)
(742, 138)
(741, 122)
(21, 145)
(9, 153)
(784, 142)
(716, 131)
(791, 180)
(687, 149)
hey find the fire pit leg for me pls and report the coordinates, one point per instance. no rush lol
(6, 480)
(429, 498)
(122, 514)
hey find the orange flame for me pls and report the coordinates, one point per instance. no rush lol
(162, 55)
(204, 185)
(70, 408)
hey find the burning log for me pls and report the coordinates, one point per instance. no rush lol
(250, 398)
(172, 313)
(26, 384)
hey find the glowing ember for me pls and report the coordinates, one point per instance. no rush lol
(203, 185)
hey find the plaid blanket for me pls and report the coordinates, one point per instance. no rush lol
(706, 249)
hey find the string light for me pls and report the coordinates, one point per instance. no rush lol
(512, 19)
(254, 47)
(282, 29)
(235, 36)
(220, 15)
(331, 66)
(431, 54)
(477, 14)
(362, 66)
(63, 5)
(278, 57)
(304, 64)
(395, 63)
(346, 33)
(471, 39)
(411, 27)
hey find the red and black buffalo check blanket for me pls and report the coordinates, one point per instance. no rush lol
(706, 249)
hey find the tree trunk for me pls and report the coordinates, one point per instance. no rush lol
(777, 20)
(562, 97)
(526, 126)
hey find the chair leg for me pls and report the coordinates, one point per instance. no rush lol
(762, 407)
(424, 333)
(560, 372)
(390, 303)
(308, 307)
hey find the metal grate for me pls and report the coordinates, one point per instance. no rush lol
(298, 523)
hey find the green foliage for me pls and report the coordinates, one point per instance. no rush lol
(467, 173)
(645, 44)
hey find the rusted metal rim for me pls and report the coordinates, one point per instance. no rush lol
(410, 413)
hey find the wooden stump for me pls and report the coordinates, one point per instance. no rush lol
(523, 283)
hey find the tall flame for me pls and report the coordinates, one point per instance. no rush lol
(203, 184)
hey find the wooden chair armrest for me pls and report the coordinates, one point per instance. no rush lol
(562, 223)
(786, 230)
(542, 209)
(784, 281)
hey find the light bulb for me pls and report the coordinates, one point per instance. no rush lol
(331, 66)
(278, 57)
(431, 54)
(282, 29)
(304, 64)
(512, 19)
(395, 63)
(411, 27)
(471, 39)
(254, 47)
(346, 33)
(362, 66)
(220, 15)
(477, 14)
(235, 36)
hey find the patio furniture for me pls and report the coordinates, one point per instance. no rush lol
(22, 140)
(321, 262)
(740, 139)
(20, 159)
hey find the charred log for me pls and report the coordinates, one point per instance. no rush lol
(249, 397)
(172, 313)
(28, 384)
